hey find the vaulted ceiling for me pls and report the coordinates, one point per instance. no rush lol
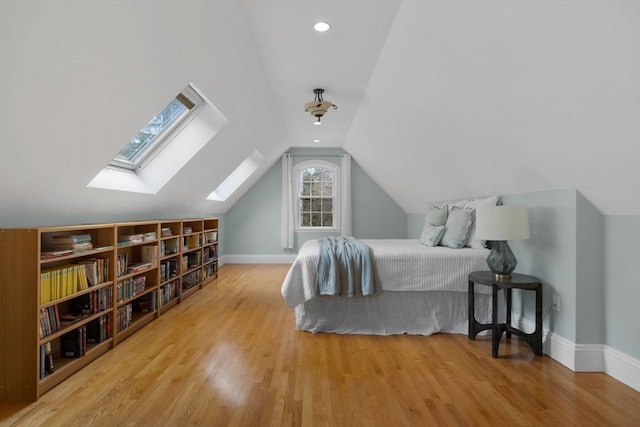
(436, 99)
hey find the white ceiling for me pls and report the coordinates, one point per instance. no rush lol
(436, 99)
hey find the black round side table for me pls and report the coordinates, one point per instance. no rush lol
(517, 281)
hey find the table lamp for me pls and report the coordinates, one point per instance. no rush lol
(499, 224)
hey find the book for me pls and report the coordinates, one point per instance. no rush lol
(70, 318)
(98, 330)
(73, 343)
(46, 360)
(150, 235)
(122, 264)
(49, 320)
(149, 255)
(193, 259)
(146, 304)
(129, 239)
(193, 241)
(169, 247)
(137, 268)
(55, 254)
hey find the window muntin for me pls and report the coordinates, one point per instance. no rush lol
(317, 197)
(159, 131)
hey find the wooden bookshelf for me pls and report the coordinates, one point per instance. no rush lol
(210, 250)
(70, 294)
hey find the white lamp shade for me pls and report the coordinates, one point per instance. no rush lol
(502, 223)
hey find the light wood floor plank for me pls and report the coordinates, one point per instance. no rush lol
(229, 356)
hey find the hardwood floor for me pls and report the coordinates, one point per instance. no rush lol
(229, 355)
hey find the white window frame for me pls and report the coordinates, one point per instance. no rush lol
(336, 210)
(164, 138)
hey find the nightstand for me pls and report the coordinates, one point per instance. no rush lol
(517, 281)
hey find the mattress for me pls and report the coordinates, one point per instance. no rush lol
(401, 265)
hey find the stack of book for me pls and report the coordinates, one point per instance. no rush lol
(67, 319)
(138, 268)
(75, 242)
(129, 239)
(150, 235)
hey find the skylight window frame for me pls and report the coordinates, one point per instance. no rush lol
(193, 101)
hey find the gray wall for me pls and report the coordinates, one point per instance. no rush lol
(622, 283)
(253, 224)
(549, 254)
(590, 273)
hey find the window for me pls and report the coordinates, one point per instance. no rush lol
(159, 131)
(238, 177)
(317, 195)
(164, 146)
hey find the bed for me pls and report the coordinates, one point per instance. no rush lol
(420, 290)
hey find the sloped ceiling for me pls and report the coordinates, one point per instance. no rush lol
(437, 99)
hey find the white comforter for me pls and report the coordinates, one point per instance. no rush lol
(400, 265)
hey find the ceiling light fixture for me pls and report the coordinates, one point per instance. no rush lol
(321, 27)
(318, 107)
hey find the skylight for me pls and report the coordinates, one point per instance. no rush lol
(160, 130)
(154, 155)
(237, 177)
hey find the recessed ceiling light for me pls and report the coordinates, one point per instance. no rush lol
(316, 140)
(321, 27)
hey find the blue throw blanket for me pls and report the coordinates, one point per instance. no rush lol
(345, 268)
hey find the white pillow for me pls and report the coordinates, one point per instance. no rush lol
(472, 242)
(432, 235)
(436, 215)
(458, 227)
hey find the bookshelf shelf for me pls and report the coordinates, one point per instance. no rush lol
(65, 367)
(33, 305)
(186, 293)
(77, 294)
(68, 328)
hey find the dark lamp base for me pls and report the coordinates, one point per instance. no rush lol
(501, 260)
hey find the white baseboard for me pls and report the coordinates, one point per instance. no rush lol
(587, 357)
(259, 259)
(622, 367)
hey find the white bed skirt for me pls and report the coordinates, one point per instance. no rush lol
(390, 313)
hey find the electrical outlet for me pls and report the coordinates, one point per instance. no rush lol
(556, 302)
